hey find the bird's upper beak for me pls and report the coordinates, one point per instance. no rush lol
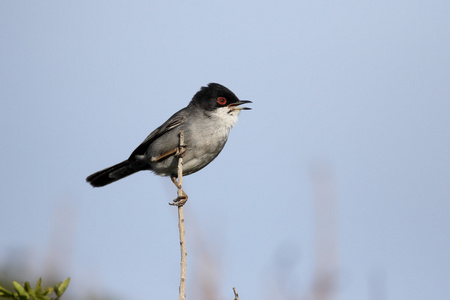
(235, 106)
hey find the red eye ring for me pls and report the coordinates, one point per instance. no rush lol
(222, 100)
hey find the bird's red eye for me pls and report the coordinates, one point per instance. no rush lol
(222, 100)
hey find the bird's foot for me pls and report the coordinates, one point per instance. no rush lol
(180, 200)
(181, 150)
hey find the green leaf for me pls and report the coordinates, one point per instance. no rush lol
(30, 291)
(33, 294)
(61, 287)
(27, 287)
(5, 292)
(47, 291)
(41, 297)
(38, 287)
(20, 290)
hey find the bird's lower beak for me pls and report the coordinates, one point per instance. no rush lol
(235, 106)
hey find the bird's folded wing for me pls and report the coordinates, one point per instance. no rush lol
(173, 122)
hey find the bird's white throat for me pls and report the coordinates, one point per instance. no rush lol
(225, 116)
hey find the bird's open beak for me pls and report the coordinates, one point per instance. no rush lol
(235, 106)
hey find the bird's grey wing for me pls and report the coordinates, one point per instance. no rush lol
(173, 122)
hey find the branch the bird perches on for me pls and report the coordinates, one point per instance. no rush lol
(179, 202)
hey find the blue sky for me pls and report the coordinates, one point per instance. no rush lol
(357, 92)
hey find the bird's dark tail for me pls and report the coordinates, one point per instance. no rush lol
(114, 173)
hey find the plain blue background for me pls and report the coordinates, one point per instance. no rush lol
(355, 91)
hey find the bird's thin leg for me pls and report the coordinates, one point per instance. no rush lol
(181, 199)
(174, 180)
(180, 151)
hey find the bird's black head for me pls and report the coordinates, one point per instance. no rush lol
(215, 96)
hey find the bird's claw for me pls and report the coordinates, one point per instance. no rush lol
(180, 200)
(181, 150)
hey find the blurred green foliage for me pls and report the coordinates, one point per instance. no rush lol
(26, 292)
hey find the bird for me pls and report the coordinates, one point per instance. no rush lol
(206, 123)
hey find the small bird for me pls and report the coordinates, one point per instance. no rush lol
(206, 123)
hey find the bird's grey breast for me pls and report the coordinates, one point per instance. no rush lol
(204, 137)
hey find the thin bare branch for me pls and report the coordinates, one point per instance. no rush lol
(236, 295)
(181, 196)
